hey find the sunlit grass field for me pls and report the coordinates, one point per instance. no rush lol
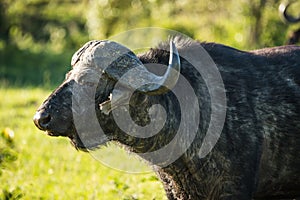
(42, 167)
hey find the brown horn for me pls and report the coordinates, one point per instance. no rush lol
(289, 18)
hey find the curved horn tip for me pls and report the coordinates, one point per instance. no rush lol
(283, 7)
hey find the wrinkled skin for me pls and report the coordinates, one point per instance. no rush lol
(257, 155)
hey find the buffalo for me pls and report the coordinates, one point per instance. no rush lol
(257, 153)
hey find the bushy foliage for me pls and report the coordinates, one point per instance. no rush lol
(7, 152)
(8, 155)
(41, 34)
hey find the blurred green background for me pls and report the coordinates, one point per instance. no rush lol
(37, 40)
(38, 37)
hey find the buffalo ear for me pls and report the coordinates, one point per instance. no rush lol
(120, 98)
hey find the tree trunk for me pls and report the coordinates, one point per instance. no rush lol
(256, 10)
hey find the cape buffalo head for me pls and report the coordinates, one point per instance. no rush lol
(96, 68)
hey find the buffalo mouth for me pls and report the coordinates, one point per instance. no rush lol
(78, 144)
(82, 145)
(55, 133)
(87, 141)
(52, 133)
(75, 140)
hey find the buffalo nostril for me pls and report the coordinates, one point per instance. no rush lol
(41, 120)
(45, 120)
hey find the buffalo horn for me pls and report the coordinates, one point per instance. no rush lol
(156, 85)
(289, 18)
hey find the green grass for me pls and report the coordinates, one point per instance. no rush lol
(41, 167)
